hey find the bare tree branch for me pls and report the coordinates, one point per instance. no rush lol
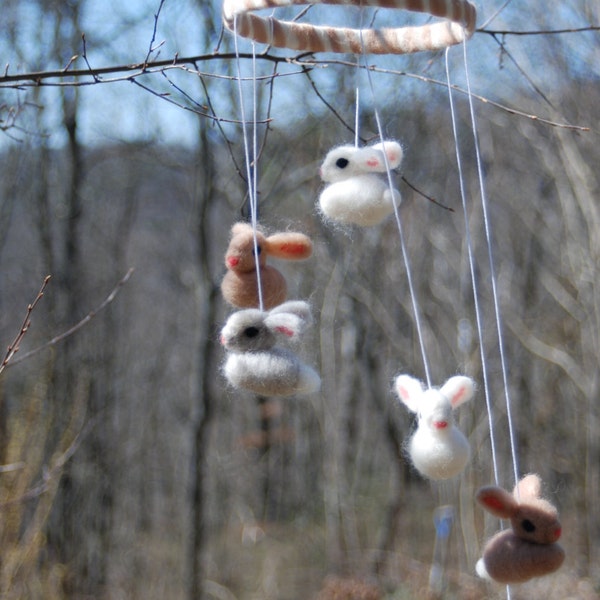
(36, 78)
(539, 32)
(483, 99)
(14, 347)
(80, 77)
(77, 326)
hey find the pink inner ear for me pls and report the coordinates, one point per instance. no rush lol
(458, 398)
(493, 502)
(402, 391)
(372, 162)
(293, 248)
(285, 330)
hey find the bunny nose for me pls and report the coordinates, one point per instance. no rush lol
(223, 340)
(233, 261)
(440, 424)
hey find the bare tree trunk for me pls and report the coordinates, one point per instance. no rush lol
(205, 364)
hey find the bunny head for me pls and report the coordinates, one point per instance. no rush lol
(252, 330)
(348, 161)
(245, 331)
(285, 245)
(437, 448)
(240, 253)
(434, 406)
(532, 518)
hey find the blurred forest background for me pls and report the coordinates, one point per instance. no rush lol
(128, 468)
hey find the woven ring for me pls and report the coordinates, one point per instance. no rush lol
(458, 25)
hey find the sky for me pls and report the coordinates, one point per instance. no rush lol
(120, 33)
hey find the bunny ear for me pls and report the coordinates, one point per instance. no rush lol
(300, 308)
(458, 389)
(530, 486)
(240, 227)
(370, 159)
(409, 391)
(286, 324)
(393, 152)
(497, 501)
(290, 246)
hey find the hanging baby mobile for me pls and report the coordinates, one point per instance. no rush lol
(358, 190)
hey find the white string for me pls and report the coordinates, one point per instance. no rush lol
(472, 269)
(361, 12)
(478, 319)
(487, 228)
(357, 104)
(251, 173)
(411, 287)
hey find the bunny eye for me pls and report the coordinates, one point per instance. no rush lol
(342, 163)
(258, 249)
(528, 526)
(251, 332)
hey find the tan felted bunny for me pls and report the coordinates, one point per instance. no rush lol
(239, 286)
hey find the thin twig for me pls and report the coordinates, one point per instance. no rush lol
(505, 51)
(329, 106)
(483, 99)
(14, 347)
(151, 47)
(228, 142)
(91, 71)
(539, 31)
(430, 198)
(49, 474)
(77, 326)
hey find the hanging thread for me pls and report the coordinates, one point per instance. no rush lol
(484, 369)
(251, 164)
(493, 278)
(411, 287)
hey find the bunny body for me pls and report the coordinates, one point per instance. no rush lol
(437, 449)
(357, 192)
(363, 200)
(256, 363)
(276, 372)
(529, 548)
(239, 286)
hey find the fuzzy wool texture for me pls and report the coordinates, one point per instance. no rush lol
(357, 190)
(528, 549)
(437, 449)
(255, 361)
(240, 284)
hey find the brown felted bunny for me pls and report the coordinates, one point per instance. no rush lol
(239, 286)
(529, 548)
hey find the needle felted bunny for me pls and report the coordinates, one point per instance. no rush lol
(438, 449)
(357, 191)
(239, 286)
(256, 363)
(528, 549)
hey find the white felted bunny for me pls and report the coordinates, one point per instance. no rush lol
(528, 549)
(256, 363)
(358, 192)
(437, 449)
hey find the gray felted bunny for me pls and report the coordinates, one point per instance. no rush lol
(256, 362)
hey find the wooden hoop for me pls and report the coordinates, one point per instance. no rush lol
(458, 25)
